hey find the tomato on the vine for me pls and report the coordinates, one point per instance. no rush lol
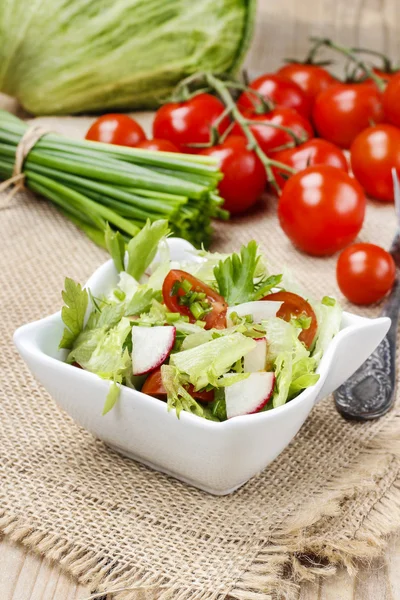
(374, 153)
(244, 174)
(278, 90)
(158, 144)
(270, 139)
(153, 386)
(173, 295)
(116, 129)
(321, 209)
(312, 79)
(294, 306)
(342, 111)
(189, 122)
(391, 100)
(365, 273)
(311, 153)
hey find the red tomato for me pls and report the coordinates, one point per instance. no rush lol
(374, 153)
(184, 123)
(279, 90)
(116, 129)
(158, 145)
(391, 100)
(312, 79)
(342, 111)
(244, 174)
(365, 273)
(214, 319)
(153, 386)
(295, 306)
(311, 153)
(321, 209)
(271, 138)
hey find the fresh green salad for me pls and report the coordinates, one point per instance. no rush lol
(218, 336)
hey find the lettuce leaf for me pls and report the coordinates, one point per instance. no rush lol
(329, 317)
(115, 244)
(216, 357)
(178, 397)
(73, 313)
(141, 301)
(143, 247)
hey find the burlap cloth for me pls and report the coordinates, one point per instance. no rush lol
(330, 498)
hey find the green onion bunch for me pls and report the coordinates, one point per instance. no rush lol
(94, 184)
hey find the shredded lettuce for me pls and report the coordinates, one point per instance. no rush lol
(141, 301)
(115, 244)
(329, 317)
(178, 397)
(143, 247)
(216, 357)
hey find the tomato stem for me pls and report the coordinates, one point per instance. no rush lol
(350, 53)
(387, 65)
(297, 140)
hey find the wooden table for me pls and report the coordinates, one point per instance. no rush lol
(282, 30)
(24, 576)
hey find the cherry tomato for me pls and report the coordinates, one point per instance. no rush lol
(365, 273)
(311, 153)
(244, 174)
(295, 306)
(279, 90)
(391, 102)
(312, 79)
(321, 209)
(342, 111)
(184, 123)
(374, 153)
(153, 386)
(271, 139)
(214, 319)
(116, 129)
(158, 145)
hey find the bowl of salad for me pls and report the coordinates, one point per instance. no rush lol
(201, 365)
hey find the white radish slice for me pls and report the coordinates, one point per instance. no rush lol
(259, 310)
(151, 347)
(256, 359)
(250, 395)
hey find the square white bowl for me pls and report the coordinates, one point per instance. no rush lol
(215, 457)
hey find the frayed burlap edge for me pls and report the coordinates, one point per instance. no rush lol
(297, 550)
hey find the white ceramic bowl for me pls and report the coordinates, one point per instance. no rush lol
(215, 457)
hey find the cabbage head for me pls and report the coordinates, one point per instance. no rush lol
(74, 56)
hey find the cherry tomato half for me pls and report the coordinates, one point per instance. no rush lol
(153, 386)
(277, 89)
(214, 319)
(270, 139)
(312, 79)
(295, 306)
(365, 273)
(391, 102)
(311, 153)
(342, 111)
(158, 145)
(244, 174)
(116, 129)
(374, 153)
(185, 123)
(321, 209)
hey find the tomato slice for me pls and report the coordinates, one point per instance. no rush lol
(216, 318)
(153, 386)
(294, 306)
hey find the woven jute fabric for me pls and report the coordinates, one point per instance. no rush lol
(330, 498)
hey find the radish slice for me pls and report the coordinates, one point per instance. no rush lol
(250, 395)
(151, 347)
(256, 359)
(258, 310)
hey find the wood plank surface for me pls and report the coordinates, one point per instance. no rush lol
(282, 30)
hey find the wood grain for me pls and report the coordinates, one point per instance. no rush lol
(283, 28)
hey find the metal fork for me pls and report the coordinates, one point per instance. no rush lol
(370, 392)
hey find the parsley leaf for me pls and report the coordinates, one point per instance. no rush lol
(143, 247)
(237, 276)
(73, 313)
(116, 247)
